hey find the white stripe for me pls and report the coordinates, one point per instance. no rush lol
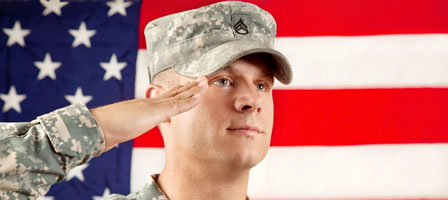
(367, 61)
(144, 162)
(385, 61)
(366, 171)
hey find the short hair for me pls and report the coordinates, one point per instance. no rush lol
(168, 78)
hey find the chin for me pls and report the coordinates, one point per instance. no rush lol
(246, 157)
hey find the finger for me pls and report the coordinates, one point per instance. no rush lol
(188, 103)
(182, 88)
(178, 106)
(200, 88)
(176, 90)
(170, 92)
(185, 100)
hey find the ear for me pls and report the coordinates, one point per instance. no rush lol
(154, 90)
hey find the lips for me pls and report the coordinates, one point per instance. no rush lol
(245, 130)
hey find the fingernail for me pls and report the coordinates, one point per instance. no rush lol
(196, 96)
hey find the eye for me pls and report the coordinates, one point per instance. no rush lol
(224, 82)
(261, 87)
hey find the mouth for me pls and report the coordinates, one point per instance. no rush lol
(246, 130)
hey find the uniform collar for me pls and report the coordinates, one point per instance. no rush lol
(152, 190)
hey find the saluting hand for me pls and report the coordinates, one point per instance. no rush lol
(127, 120)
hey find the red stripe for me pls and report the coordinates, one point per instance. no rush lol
(360, 116)
(152, 138)
(359, 199)
(353, 117)
(329, 17)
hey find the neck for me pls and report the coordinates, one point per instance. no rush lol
(181, 179)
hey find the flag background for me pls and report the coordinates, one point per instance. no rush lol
(365, 116)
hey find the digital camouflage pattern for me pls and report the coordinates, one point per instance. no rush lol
(34, 155)
(150, 191)
(204, 40)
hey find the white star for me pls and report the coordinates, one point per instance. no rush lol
(16, 34)
(78, 97)
(77, 172)
(12, 100)
(45, 198)
(118, 6)
(113, 68)
(105, 195)
(52, 6)
(82, 35)
(47, 67)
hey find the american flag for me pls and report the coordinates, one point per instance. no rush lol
(54, 53)
(365, 116)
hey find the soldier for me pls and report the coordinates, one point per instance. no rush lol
(215, 128)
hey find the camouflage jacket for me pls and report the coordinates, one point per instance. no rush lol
(151, 191)
(34, 155)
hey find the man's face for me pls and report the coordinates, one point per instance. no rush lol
(233, 122)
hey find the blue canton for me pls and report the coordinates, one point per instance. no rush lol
(55, 53)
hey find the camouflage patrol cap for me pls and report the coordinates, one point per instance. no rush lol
(202, 41)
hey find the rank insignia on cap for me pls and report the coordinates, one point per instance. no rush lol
(239, 26)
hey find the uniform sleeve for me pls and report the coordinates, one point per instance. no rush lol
(34, 155)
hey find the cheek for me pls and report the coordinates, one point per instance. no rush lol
(207, 115)
(214, 102)
(190, 128)
(268, 114)
(210, 111)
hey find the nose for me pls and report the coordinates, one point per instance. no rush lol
(248, 100)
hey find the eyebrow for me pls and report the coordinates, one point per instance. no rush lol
(229, 69)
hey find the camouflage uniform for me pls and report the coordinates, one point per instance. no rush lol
(34, 155)
(151, 190)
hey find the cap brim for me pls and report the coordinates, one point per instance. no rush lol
(224, 54)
